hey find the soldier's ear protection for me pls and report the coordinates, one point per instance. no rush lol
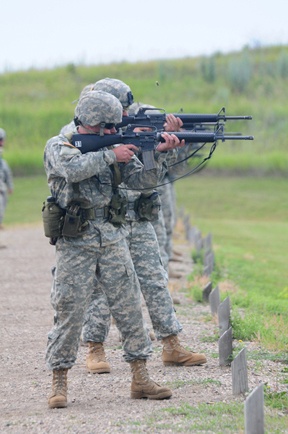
(130, 100)
(77, 121)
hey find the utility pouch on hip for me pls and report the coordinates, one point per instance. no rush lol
(117, 209)
(53, 218)
(72, 221)
(148, 207)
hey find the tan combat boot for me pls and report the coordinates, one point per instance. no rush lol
(58, 397)
(174, 354)
(96, 360)
(142, 386)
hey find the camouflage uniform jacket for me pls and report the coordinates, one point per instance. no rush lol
(6, 179)
(88, 179)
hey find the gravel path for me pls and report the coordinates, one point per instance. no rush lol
(97, 403)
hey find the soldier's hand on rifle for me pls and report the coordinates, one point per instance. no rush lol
(172, 123)
(124, 153)
(171, 142)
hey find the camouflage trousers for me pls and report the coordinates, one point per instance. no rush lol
(160, 229)
(80, 262)
(3, 203)
(153, 280)
(167, 194)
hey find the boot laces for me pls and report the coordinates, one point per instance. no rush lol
(172, 342)
(144, 372)
(139, 370)
(99, 353)
(60, 383)
(145, 378)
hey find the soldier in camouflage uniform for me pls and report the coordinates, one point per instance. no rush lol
(166, 193)
(6, 179)
(159, 224)
(164, 225)
(142, 208)
(90, 246)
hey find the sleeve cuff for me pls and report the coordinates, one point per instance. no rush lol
(109, 157)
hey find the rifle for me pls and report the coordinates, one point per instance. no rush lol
(190, 120)
(148, 140)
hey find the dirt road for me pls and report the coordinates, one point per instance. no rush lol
(97, 403)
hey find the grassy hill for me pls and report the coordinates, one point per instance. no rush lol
(247, 216)
(35, 104)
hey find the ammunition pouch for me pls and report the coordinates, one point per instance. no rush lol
(148, 207)
(53, 218)
(58, 221)
(117, 209)
(72, 221)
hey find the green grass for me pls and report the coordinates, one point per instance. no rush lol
(36, 104)
(247, 217)
(25, 204)
(214, 417)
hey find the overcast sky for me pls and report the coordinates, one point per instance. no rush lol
(41, 34)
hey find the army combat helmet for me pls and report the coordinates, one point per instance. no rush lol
(86, 89)
(98, 107)
(136, 106)
(117, 88)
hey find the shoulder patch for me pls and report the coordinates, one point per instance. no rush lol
(67, 149)
(69, 144)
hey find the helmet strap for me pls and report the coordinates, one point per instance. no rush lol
(102, 126)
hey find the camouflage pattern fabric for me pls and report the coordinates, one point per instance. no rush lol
(167, 206)
(134, 109)
(69, 128)
(97, 319)
(153, 279)
(165, 223)
(6, 183)
(117, 88)
(86, 89)
(65, 166)
(74, 280)
(95, 107)
(164, 228)
(2, 134)
(101, 252)
(160, 230)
